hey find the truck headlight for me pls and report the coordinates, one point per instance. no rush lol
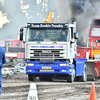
(63, 64)
(29, 70)
(29, 64)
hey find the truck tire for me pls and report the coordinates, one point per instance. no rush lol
(70, 78)
(96, 74)
(84, 77)
(8, 59)
(31, 77)
(14, 60)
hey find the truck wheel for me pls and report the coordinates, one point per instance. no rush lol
(95, 75)
(31, 77)
(8, 59)
(84, 77)
(14, 60)
(70, 78)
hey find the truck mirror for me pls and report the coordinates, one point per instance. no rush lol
(73, 41)
(76, 35)
(21, 34)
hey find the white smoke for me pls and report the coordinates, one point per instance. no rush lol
(3, 19)
(2, 2)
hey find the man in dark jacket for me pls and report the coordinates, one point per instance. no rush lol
(2, 61)
(62, 36)
(37, 37)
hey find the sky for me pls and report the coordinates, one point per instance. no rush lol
(17, 13)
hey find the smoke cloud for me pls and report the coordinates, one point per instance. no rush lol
(3, 19)
(81, 11)
(20, 12)
(78, 7)
(2, 2)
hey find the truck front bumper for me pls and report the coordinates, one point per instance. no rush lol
(54, 68)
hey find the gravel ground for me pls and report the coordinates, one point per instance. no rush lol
(16, 87)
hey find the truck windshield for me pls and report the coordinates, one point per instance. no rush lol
(47, 35)
(95, 32)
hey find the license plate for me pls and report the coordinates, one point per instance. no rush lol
(50, 70)
(46, 67)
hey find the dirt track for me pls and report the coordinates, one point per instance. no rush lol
(16, 87)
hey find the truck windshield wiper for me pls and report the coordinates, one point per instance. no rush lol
(55, 42)
(38, 42)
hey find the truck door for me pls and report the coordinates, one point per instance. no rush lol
(72, 44)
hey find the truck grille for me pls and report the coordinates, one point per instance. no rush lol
(46, 53)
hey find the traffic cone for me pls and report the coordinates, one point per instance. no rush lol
(92, 94)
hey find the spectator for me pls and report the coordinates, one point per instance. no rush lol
(2, 61)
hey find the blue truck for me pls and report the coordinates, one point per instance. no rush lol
(51, 50)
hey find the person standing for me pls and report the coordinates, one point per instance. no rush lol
(2, 61)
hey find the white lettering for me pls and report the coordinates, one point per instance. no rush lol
(47, 25)
(35, 25)
(57, 26)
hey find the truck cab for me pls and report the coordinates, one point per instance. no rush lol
(55, 42)
(50, 51)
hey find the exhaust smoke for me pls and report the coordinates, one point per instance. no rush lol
(78, 7)
(81, 11)
(19, 12)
